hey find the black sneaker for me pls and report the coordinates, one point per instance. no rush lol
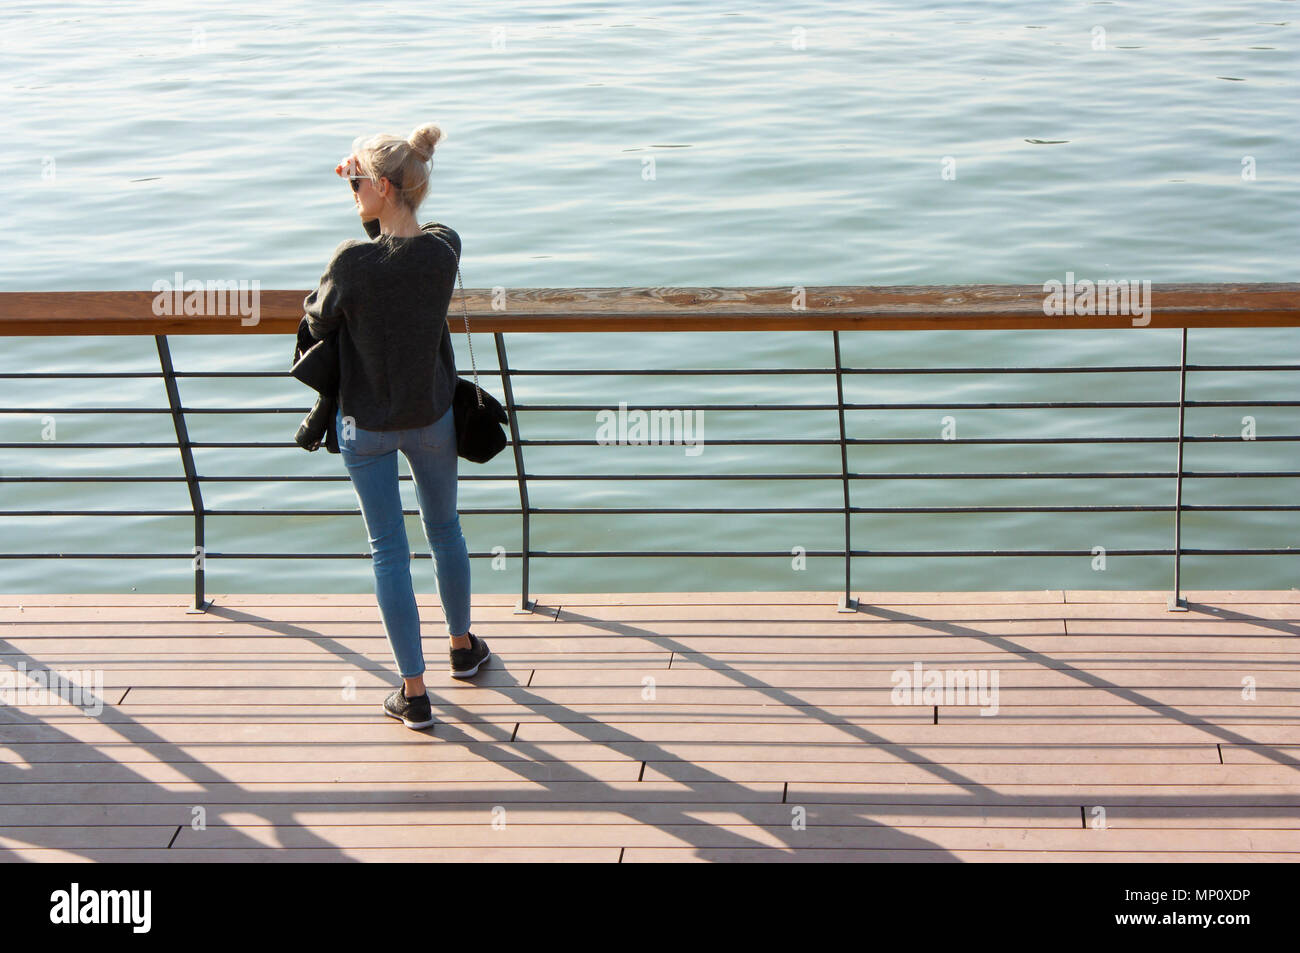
(414, 712)
(465, 662)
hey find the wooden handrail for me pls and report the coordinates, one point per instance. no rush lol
(845, 308)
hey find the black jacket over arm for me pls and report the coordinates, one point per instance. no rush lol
(316, 363)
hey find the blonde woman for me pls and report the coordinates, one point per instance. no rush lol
(388, 299)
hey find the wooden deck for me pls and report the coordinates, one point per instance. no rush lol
(662, 727)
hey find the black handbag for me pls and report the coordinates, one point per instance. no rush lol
(478, 415)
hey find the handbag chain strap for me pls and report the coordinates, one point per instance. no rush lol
(465, 308)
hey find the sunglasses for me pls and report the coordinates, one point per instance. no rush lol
(356, 180)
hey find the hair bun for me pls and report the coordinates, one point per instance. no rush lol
(424, 139)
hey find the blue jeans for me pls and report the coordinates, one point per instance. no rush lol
(371, 460)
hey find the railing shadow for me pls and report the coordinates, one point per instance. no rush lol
(699, 783)
(203, 774)
(694, 779)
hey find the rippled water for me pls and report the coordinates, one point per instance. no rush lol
(675, 144)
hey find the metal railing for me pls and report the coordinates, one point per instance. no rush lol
(615, 310)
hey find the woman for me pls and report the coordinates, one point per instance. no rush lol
(388, 301)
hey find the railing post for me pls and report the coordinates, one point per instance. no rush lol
(525, 604)
(847, 603)
(1176, 603)
(191, 475)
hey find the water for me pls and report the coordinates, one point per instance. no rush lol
(646, 145)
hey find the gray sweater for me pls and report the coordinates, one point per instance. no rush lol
(388, 299)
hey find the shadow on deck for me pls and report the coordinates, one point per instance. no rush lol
(662, 726)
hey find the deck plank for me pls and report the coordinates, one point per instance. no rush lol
(777, 711)
(575, 813)
(1025, 841)
(627, 856)
(830, 674)
(81, 731)
(856, 752)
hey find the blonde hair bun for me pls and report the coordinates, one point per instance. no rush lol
(404, 161)
(424, 140)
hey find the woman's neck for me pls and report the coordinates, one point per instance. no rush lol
(399, 223)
